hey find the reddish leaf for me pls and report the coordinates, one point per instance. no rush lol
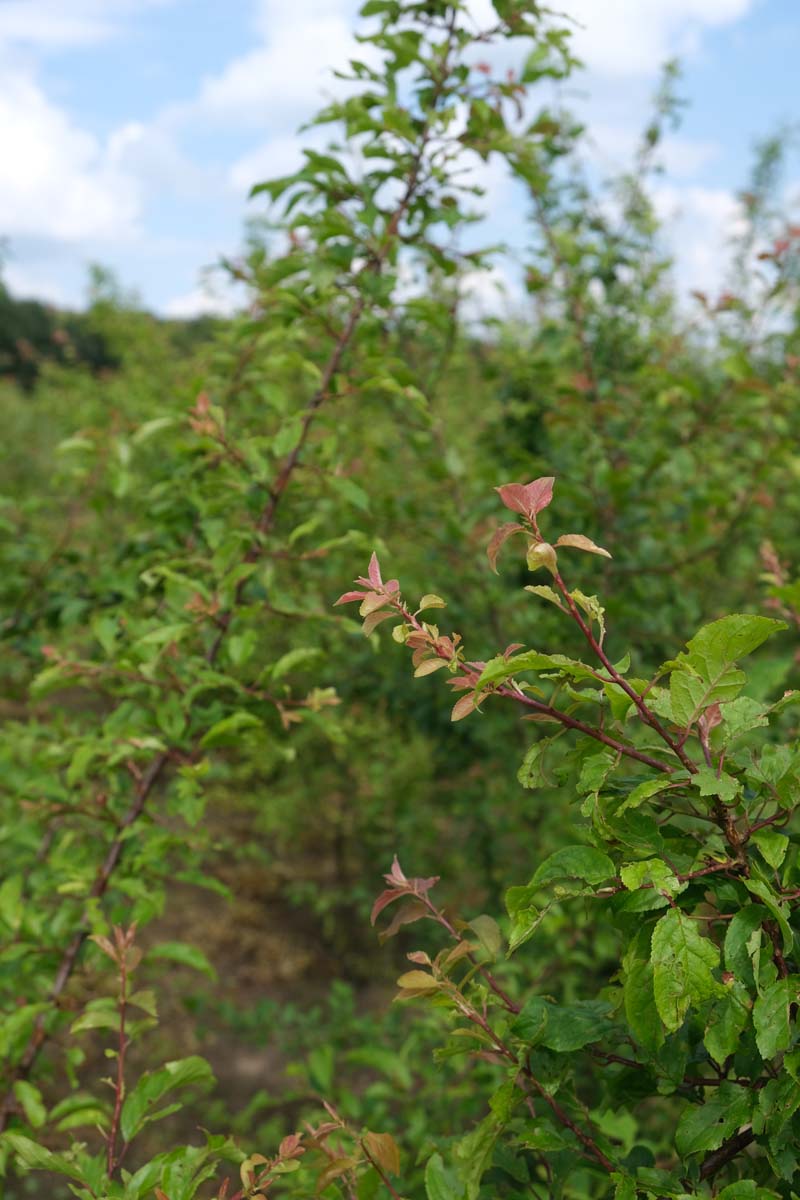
(382, 1149)
(385, 898)
(350, 597)
(396, 874)
(413, 911)
(375, 571)
(291, 1146)
(539, 493)
(374, 619)
(429, 666)
(371, 603)
(513, 496)
(528, 498)
(499, 537)
(462, 708)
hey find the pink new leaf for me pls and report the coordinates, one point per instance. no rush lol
(539, 494)
(384, 900)
(396, 875)
(499, 538)
(513, 496)
(350, 597)
(375, 571)
(528, 499)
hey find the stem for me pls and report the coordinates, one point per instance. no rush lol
(645, 713)
(384, 1177)
(119, 1086)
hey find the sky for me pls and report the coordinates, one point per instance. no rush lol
(132, 130)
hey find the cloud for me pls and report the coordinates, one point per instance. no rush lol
(204, 300)
(700, 223)
(56, 180)
(281, 80)
(613, 147)
(61, 24)
(625, 38)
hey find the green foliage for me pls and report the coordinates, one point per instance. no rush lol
(190, 726)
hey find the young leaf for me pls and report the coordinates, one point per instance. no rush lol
(580, 542)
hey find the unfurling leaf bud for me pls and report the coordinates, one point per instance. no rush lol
(542, 554)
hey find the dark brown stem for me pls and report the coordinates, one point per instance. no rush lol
(729, 1149)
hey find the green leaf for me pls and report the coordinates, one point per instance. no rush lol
(723, 642)
(531, 772)
(440, 1181)
(738, 947)
(709, 783)
(727, 1019)
(746, 1189)
(643, 791)
(772, 845)
(187, 956)
(690, 694)
(581, 864)
(638, 994)
(758, 887)
(11, 902)
(139, 1105)
(498, 669)
(473, 1154)
(683, 961)
(569, 1027)
(31, 1103)
(706, 1126)
(38, 1158)
(226, 732)
(488, 933)
(771, 1019)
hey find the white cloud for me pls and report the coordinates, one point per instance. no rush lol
(634, 37)
(149, 155)
(64, 23)
(613, 147)
(206, 299)
(700, 222)
(55, 179)
(280, 81)
(30, 281)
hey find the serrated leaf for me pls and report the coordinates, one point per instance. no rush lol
(582, 863)
(440, 1181)
(727, 1019)
(683, 962)
(706, 1126)
(771, 1019)
(723, 642)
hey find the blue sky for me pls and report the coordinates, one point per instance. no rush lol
(131, 130)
